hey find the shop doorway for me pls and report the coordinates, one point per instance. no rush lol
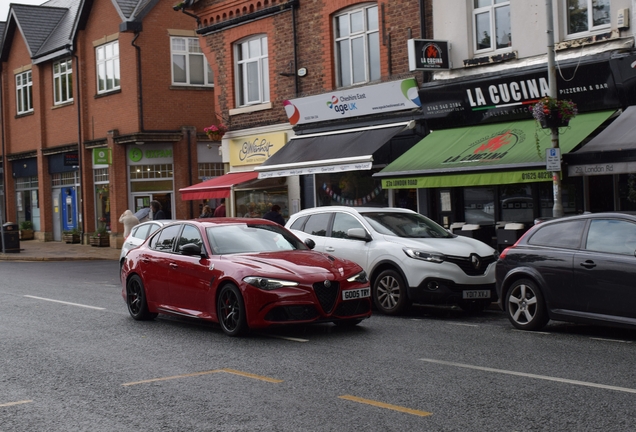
(601, 194)
(141, 201)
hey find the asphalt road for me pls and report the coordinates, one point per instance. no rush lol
(71, 359)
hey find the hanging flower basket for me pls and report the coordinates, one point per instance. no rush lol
(553, 113)
(215, 132)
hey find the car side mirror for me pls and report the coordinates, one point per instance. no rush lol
(190, 249)
(310, 243)
(358, 233)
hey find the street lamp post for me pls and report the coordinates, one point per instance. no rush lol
(557, 209)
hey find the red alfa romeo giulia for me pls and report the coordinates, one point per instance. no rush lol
(242, 273)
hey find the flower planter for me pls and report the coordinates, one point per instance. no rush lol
(26, 234)
(71, 238)
(553, 121)
(100, 241)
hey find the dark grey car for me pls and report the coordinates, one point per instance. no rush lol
(578, 269)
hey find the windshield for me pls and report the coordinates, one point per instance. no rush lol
(409, 225)
(240, 238)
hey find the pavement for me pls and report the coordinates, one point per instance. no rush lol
(34, 250)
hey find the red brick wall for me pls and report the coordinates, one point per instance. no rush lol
(23, 133)
(315, 50)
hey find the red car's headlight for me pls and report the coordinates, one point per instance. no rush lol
(268, 284)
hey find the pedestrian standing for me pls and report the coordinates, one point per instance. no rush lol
(157, 213)
(129, 220)
(220, 210)
(274, 215)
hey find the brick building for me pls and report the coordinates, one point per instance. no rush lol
(103, 108)
(271, 57)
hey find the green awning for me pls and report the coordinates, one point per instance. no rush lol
(500, 153)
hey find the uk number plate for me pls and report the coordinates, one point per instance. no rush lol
(476, 294)
(356, 293)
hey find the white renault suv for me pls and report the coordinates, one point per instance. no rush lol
(409, 258)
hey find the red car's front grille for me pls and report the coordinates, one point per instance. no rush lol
(327, 295)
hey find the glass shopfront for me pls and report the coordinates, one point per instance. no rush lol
(102, 197)
(350, 188)
(150, 175)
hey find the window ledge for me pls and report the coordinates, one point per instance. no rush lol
(592, 38)
(251, 108)
(491, 59)
(191, 87)
(63, 104)
(108, 93)
(25, 114)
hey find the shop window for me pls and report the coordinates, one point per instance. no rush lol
(357, 46)
(352, 188)
(627, 192)
(516, 203)
(138, 172)
(255, 203)
(108, 78)
(24, 92)
(479, 206)
(571, 197)
(189, 65)
(62, 81)
(252, 71)
(491, 25)
(208, 170)
(588, 15)
(102, 206)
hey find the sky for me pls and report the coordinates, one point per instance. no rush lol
(4, 6)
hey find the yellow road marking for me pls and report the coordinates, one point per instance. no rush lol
(387, 406)
(230, 371)
(249, 375)
(15, 403)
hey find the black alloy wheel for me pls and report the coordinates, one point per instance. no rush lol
(136, 300)
(230, 310)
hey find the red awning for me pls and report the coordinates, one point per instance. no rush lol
(218, 187)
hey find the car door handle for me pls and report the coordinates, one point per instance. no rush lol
(174, 265)
(329, 249)
(588, 264)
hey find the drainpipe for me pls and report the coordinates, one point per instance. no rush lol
(4, 167)
(140, 103)
(296, 82)
(80, 151)
(426, 76)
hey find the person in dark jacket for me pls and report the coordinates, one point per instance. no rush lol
(274, 215)
(157, 213)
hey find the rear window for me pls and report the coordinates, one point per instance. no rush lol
(317, 224)
(563, 234)
(298, 223)
(140, 232)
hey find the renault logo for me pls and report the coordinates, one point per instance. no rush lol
(475, 261)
